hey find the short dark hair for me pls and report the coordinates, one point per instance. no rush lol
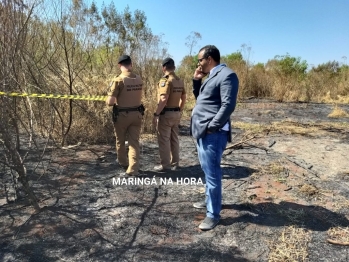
(170, 67)
(212, 51)
(168, 61)
(126, 62)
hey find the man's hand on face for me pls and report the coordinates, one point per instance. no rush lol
(198, 74)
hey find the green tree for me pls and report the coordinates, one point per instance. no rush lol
(332, 68)
(233, 58)
(126, 30)
(288, 74)
(289, 65)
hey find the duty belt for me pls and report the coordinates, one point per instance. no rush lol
(171, 109)
(129, 109)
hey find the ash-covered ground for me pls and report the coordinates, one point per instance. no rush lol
(295, 176)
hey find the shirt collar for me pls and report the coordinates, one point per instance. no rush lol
(213, 70)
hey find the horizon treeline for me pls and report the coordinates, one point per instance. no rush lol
(68, 47)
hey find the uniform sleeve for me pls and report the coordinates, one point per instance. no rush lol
(114, 87)
(164, 87)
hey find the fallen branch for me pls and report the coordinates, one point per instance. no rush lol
(300, 165)
(94, 152)
(19, 228)
(252, 187)
(259, 147)
(243, 182)
(239, 143)
(337, 242)
(71, 146)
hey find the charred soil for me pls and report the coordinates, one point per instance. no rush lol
(285, 197)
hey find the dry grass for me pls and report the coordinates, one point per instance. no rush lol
(339, 125)
(291, 246)
(338, 235)
(309, 190)
(283, 127)
(276, 168)
(291, 128)
(252, 128)
(338, 99)
(343, 99)
(269, 81)
(338, 112)
(148, 137)
(296, 128)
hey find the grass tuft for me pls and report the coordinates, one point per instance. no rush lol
(292, 245)
(309, 190)
(338, 112)
(338, 235)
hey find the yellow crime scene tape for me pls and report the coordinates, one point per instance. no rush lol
(76, 97)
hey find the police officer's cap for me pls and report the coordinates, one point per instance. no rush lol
(168, 61)
(123, 58)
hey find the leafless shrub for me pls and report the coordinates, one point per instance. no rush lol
(55, 47)
(16, 119)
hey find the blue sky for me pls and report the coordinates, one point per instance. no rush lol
(315, 30)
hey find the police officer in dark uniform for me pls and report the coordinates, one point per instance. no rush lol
(171, 101)
(125, 95)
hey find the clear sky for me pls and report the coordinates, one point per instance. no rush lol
(315, 30)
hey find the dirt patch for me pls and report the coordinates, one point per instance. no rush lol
(285, 194)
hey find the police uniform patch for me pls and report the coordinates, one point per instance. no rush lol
(163, 81)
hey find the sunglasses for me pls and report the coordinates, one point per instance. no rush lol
(200, 60)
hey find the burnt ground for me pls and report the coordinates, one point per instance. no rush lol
(292, 176)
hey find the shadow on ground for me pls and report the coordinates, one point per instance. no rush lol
(230, 172)
(315, 218)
